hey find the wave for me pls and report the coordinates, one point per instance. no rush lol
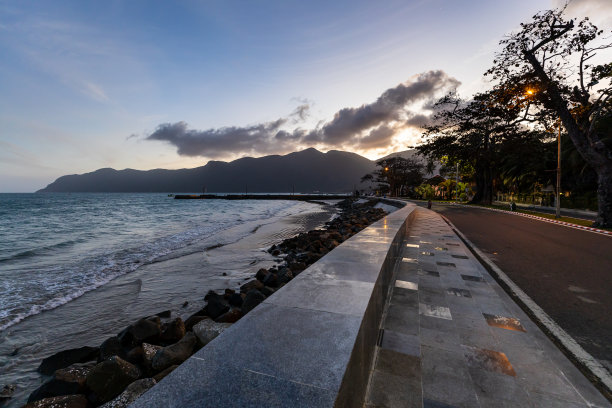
(41, 251)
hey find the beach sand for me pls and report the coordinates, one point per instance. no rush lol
(152, 288)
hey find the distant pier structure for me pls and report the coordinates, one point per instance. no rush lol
(301, 197)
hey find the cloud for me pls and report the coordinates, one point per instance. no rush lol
(368, 126)
(599, 11)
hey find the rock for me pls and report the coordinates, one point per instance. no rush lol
(65, 381)
(173, 331)
(185, 304)
(7, 392)
(297, 267)
(261, 274)
(253, 298)
(266, 291)
(67, 357)
(165, 314)
(133, 391)
(216, 305)
(207, 330)
(284, 276)
(66, 401)
(158, 377)
(230, 317)
(227, 293)
(134, 356)
(250, 285)
(143, 330)
(175, 353)
(110, 377)
(111, 347)
(193, 320)
(148, 352)
(235, 300)
(271, 280)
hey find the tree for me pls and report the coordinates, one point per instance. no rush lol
(396, 175)
(550, 58)
(470, 133)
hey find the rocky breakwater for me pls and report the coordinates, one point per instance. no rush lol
(124, 366)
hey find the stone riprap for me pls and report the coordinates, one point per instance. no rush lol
(310, 344)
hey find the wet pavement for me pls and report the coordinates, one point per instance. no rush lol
(451, 337)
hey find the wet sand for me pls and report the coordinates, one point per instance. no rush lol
(215, 264)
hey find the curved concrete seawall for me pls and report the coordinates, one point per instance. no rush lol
(310, 344)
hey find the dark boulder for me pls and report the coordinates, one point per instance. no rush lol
(230, 317)
(66, 401)
(110, 377)
(235, 300)
(215, 307)
(134, 356)
(193, 320)
(173, 331)
(7, 392)
(253, 298)
(143, 330)
(175, 353)
(261, 274)
(65, 381)
(159, 376)
(267, 291)
(165, 314)
(129, 395)
(271, 280)
(111, 347)
(250, 285)
(207, 330)
(67, 357)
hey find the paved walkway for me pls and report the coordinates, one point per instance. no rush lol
(452, 337)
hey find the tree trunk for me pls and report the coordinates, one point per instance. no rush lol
(604, 197)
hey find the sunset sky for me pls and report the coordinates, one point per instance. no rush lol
(155, 84)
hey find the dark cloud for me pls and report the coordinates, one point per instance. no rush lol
(377, 137)
(260, 138)
(366, 127)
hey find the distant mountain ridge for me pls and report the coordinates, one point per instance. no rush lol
(304, 171)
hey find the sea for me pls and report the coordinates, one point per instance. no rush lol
(76, 268)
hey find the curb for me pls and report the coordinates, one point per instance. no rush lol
(589, 366)
(535, 217)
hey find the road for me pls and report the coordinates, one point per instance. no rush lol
(567, 272)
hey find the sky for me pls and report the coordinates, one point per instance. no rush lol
(157, 84)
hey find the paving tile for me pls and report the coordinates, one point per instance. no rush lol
(423, 272)
(459, 292)
(543, 400)
(392, 391)
(545, 378)
(427, 403)
(435, 323)
(402, 319)
(401, 343)
(441, 312)
(472, 278)
(508, 323)
(436, 361)
(477, 338)
(406, 285)
(446, 340)
(490, 360)
(497, 386)
(407, 274)
(471, 322)
(460, 256)
(407, 297)
(400, 364)
(453, 390)
(449, 264)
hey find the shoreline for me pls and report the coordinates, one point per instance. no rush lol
(221, 309)
(153, 287)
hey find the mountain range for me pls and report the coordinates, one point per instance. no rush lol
(305, 171)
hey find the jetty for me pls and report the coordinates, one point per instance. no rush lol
(301, 197)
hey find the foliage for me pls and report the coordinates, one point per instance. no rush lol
(396, 175)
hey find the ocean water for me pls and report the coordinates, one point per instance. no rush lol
(76, 268)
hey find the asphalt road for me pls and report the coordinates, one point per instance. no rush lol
(567, 272)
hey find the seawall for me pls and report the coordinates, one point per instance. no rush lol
(310, 344)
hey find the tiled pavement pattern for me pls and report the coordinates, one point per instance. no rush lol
(451, 337)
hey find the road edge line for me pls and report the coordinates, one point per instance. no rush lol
(589, 366)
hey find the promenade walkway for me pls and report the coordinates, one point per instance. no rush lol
(451, 336)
